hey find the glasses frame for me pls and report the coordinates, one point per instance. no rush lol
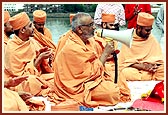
(89, 25)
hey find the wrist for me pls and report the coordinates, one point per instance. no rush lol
(36, 64)
(7, 84)
(142, 66)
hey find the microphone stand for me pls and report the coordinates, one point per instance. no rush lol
(116, 66)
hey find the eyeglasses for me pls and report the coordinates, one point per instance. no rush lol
(89, 25)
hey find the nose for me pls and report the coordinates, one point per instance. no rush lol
(41, 26)
(33, 26)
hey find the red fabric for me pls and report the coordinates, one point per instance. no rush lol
(159, 89)
(157, 93)
(129, 10)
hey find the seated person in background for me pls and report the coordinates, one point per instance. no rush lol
(23, 57)
(108, 22)
(131, 13)
(116, 9)
(144, 60)
(41, 33)
(79, 70)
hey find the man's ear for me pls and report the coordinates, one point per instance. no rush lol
(79, 30)
(22, 30)
(104, 25)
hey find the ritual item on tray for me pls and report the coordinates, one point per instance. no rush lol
(148, 105)
(156, 95)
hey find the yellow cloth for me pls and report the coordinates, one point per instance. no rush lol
(148, 50)
(13, 102)
(19, 20)
(6, 16)
(79, 74)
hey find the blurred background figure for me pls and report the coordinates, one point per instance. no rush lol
(131, 13)
(41, 33)
(160, 19)
(160, 24)
(116, 9)
(144, 60)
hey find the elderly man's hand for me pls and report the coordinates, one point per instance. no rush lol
(108, 50)
(150, 67)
